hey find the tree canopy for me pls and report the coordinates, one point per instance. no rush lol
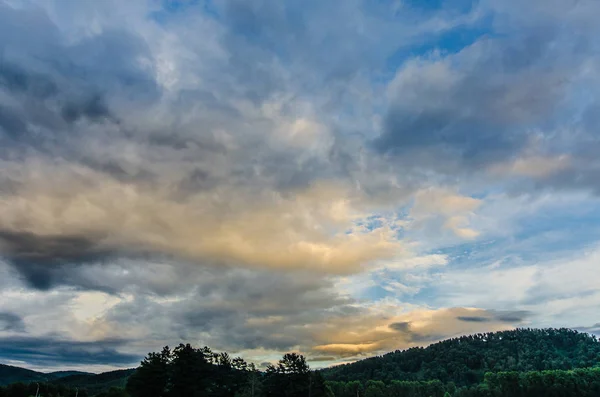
(465, 360)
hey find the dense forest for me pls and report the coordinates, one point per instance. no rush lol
(519, 363)
(554, 383)
(186, 371)
(466, 359)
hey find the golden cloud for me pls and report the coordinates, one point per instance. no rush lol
(313, 228)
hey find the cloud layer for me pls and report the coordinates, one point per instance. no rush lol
(340, 178)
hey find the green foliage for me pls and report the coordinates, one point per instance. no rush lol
(375, 388)
(92, 383)
(151, 377)
(291, 377)
(583, 382)
(114, 392)
(10, 374)
(466, 359)
(21, 389)
(189, 372)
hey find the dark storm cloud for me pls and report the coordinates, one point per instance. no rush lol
(54, 84)
(40, 259)
(49, 351)
(11, 322)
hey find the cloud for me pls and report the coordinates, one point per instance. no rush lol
(465, 112)
(594, 329)
(487, 103)
(50, 352)
(39, 258)
(11, 322)
(501, 316)
(124, 169)
(403, 326)
(535, 167)
(261, 177)
(49, 225)
(413, 328)
(473, 319)
(547, 292)
(249, 312)
(444, 210)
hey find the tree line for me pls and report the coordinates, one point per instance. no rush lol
(291, 377)
(186, 371)
(553, 383)
(21, 389)
(519, 363)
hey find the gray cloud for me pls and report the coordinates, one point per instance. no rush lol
(474, 319)
(235, 310)
(41, 259)
(49, 351)
(508, 97)
(478, 105)
(401, 327)
(594, 329)
(516, 316)
(87, 101)
(413, 336)
(11, 322)
(512, 316)
(53, 84)
(321, 358)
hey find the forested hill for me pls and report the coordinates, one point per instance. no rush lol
(93, 383)
(96, 383)
(10, 374)
(466, 359)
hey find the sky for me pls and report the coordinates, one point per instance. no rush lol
(338, 178)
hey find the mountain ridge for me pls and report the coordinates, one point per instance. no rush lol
(464, 360)
(93, 382)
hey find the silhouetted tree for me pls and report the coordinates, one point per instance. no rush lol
(151, 379)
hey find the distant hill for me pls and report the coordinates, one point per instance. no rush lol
(10, 374)
(465, 360)
(93, 383)
(62, 374)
